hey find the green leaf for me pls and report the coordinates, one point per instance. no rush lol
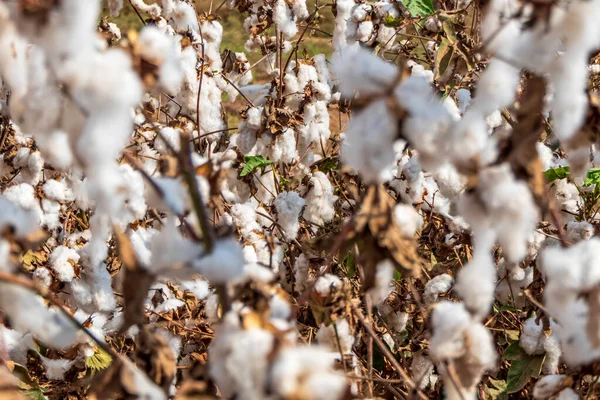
(99, 361)
(397, 275)
(512, 334)
(328, 164)
(391, 22)
(35, 394)
(419, 8)
(512, 352)
(254, 162)
(497, 391)
(350, 264)
(522, 370)
(592, 178)
(556, 173)
(443, 57)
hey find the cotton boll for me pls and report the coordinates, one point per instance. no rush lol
(475, 283)
(240, 359)
(60, 261)
(532, 337)
(327, 336)
(58, 190)
(56, 369)
(383, 279)
(320, 199)
(172, 136)
(300, 371)
(326, 284)
(422, 369)
(160, 49)
(371, 156)
(28, 313)
(284, 19)
(449, 321)
(496, 88)
(224, 264)
(463, 97)
(244, 218)
(578, 231)
(547, 386)
(288, 206)
(42, 276)
(301, 273)
(568, 394)
(409, 220)
(512, 282)
(359, 70)
(436, 286)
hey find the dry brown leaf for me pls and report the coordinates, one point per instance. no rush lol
(378, 229)
(136, 282)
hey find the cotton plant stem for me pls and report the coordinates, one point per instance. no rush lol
(190, 177)
(386, 352)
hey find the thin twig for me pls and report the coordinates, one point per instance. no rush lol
(386, 352)
(190, 178)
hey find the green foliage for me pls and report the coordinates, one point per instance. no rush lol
(253, 163)
(99, 361)
(391, 22)
(35, 394)
(556, 173)
(419, 8)
(592, 177)
(496, 391)
(522, 368)
(350, 264)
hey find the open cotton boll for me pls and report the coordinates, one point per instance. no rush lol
(368, 147)
(153, 10)
(301, 273)
(578, 231)
(504, 206)
(512, 282)
(360, 71)
(548, 386)
(60, 261)
(307, 373)
(533, 341)
(327, 336)
(18, 218)
(409, 220)
(476, 282)
(58, 190)
(326, 284)
(27, 313)
(56, 369)
(436, 286)
(224, 264)
(173, 138)
(449, 321)
(422, 370)
(284, 19)
(160, 49)
(288, 206)
(240, 359)
(173, 196)
(383, 282)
